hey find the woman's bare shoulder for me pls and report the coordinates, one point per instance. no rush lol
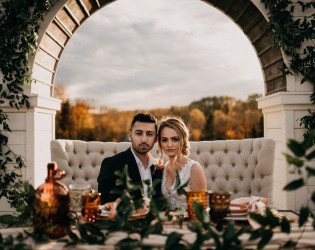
(196, 167)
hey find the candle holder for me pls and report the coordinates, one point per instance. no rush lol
(219, 207)
(199, 196)
(91, 205)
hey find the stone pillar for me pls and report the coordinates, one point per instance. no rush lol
(32, 131)
(282, 113)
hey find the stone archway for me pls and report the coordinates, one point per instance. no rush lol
(285, 101)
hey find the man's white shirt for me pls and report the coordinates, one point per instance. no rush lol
(145, 173)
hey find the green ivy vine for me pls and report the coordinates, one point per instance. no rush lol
(19, 24)
(289, 34)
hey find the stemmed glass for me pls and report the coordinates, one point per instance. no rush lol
(76, 192)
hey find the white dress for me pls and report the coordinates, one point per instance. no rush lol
(175, 200)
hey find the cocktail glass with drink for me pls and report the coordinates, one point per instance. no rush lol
(91, 205)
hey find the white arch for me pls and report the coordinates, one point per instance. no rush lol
(33, 129)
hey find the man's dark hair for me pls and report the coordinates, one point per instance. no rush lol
(144, 117)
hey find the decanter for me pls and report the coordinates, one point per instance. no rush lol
(51, 204)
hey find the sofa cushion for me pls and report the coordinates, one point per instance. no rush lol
(243, 167)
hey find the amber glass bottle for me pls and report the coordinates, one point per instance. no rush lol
(51, 205)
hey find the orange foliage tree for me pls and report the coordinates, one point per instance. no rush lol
(210, 118)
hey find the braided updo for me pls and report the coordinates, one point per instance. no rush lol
(179, 126)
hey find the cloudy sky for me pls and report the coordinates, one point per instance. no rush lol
(135, 54)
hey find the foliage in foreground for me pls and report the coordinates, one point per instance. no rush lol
(203, 228)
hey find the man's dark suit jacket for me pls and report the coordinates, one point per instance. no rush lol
(107, 179)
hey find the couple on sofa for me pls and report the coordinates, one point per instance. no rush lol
(172, 137)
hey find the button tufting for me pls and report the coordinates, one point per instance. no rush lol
(262, 177)
(211, 152)
(227, 178)
(225, 151)
(213, 179)
(235, 191)
(198, 152)
(239, 152)
(241, 178)
(246, 165)
(233, 165)
(80, 166)
(73, 178)
(86, 178)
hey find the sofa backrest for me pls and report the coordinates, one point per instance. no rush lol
(243, 167)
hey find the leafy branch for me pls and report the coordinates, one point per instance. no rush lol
(303, 154)
(19, 24)
(295, 36)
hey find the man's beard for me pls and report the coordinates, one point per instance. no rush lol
(142, 152)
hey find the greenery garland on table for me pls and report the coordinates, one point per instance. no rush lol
(19, 24)
(204, 229)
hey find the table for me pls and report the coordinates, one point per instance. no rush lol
(307, 240)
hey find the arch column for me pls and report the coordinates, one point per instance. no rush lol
(32, 131)
(282, 115)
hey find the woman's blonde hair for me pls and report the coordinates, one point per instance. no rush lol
(179, 126)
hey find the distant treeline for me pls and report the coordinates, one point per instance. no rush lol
(211, 118)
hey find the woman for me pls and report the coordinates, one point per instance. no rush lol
(173, 138)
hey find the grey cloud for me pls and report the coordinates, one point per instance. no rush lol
(179, 56)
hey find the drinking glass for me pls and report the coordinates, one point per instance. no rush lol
(91, 205)
(199, 196)
(219, 207)
(76, 192)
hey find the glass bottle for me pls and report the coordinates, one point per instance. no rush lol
(51, 204)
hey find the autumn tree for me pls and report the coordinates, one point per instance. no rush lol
(82, 122)
(64, 121)
(60, 91)
(63, 117)
(113, 125)
(181, 111)
(197, 121)
(210, 118)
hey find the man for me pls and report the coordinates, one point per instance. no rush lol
(142, 134)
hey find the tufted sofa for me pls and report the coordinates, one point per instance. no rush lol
(244, 167)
